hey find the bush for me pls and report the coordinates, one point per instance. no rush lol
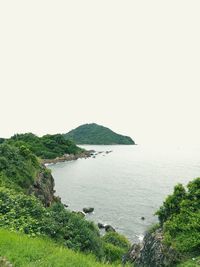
(171, 205)
(180, 218)
(113, 253)
(19, 212)
(116, 239)
(18, 166)
(115, 246)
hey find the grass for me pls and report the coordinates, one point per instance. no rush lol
(195, 262)
(23, 251)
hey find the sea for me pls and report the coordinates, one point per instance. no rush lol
(126, 184)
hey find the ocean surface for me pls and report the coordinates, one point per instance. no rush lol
(129, 183)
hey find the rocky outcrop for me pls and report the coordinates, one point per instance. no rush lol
(101, 225)
(152, 252)
(43, 187)
(69, 157)
(109, 228)
(88, 210)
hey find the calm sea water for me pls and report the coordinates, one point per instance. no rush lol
(126, 184)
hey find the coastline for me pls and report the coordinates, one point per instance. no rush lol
(69, 157)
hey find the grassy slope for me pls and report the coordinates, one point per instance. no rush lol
(23, 251)
(191, 263)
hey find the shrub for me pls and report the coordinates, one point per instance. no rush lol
(18, 166)
(116, 239)
(180, 218)
(115, 246)
(19, 212)
(113, 253)
(171, 205)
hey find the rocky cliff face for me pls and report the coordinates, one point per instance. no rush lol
(152, 252)
(43, 188)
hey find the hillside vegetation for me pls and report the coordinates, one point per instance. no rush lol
(180, 218)
(18, 166)
(21, 211)
(47, 146)
(48, 234)
(23, 251)
(95, 134)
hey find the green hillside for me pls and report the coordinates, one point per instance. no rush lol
(179, 216)
(23, 251)
(97, 135)
(45, 147)
(28, 205)
(51, 235)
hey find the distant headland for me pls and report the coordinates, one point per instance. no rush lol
(94, 134)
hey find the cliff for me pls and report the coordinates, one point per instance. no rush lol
(43, 187)
(178, 237)
(152, 252)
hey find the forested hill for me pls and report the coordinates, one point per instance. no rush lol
(45, 147)
(97, 135)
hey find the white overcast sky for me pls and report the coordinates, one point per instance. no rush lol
(133, 66)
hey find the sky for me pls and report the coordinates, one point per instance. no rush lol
(132, 66)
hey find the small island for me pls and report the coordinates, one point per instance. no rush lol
(94, 134)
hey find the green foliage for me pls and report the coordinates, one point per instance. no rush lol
(115, 246)
(46, 147)
(193, 262)
(116, 239)
(23, 251)
(2, 140)
(180, 217)
(18, 166)
(98, 135)
(26, 214)
(113, 253)
(171, 205)
(19, 212)
(19, 169)
(153, 228)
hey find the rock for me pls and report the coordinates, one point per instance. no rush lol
(101, 225)
(109, 228)
(142, 218)
(69, 157)
(152, 252)
(57, 199)
(88, 210)
(43, 187)
(134, 252)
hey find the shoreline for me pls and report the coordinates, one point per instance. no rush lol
(69, 157)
